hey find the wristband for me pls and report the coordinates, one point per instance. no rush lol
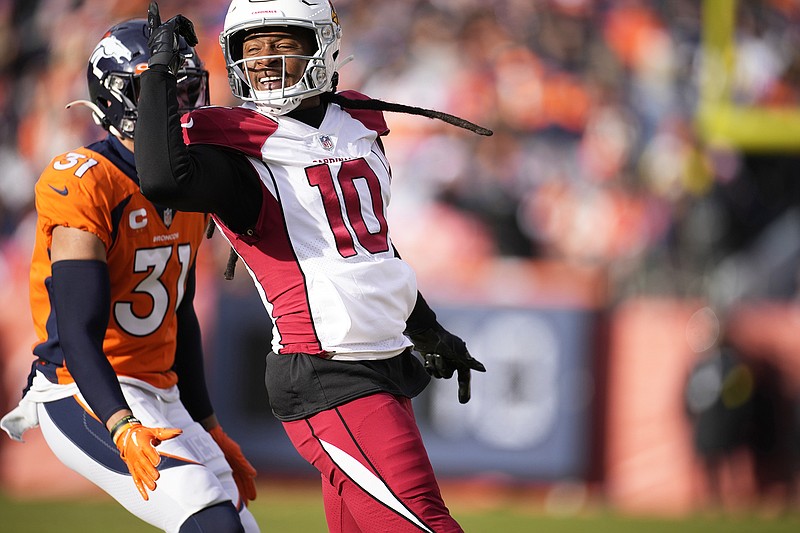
(127, 420)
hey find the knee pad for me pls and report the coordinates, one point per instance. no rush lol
(219, 518)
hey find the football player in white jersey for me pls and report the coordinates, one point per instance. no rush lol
(117, 383)
(297, 181)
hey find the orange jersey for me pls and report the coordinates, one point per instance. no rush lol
(149, 254)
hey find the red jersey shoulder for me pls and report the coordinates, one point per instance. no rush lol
(370, 118)
(235, 127)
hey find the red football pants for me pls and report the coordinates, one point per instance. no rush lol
(376, 475)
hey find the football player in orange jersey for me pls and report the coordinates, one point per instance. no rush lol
(118, 386)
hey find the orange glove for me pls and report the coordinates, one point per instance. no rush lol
(136, 444)
(243, 472)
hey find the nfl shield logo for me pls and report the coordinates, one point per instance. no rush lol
(167, 216)
(326, 142)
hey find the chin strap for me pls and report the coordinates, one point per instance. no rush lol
(343, 62)
(87, 103)
(99, 117)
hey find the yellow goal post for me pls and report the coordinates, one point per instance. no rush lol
(719, 120)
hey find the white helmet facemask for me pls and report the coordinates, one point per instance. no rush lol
(285, 99)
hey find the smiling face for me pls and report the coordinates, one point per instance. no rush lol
(273, 49)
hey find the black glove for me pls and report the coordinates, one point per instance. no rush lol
(444, 353)
(163, 38)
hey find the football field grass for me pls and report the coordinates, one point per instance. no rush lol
(295, 509)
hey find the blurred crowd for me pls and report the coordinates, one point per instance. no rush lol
(594, 159)
(595, 163)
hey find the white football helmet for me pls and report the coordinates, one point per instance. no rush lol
(319, 16)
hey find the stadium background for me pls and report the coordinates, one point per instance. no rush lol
(637, 202)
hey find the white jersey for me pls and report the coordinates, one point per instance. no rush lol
(320, 255)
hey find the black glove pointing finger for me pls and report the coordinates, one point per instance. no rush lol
(444, 354)
(164, 38)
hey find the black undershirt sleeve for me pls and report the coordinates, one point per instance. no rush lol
(189, 364)
(205, 179)
(422, 316)
(81, 293)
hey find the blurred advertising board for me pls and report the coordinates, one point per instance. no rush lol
(530, 414)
